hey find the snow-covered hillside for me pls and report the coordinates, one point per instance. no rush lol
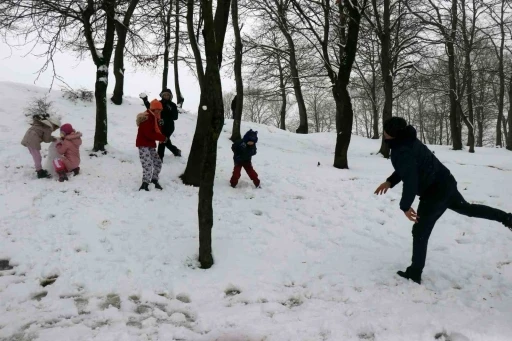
(312, 255)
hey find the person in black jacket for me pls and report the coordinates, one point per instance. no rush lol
(424, 175)
(169, 115)
(243, 151)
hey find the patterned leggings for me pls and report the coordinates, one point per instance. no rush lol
(151, 164)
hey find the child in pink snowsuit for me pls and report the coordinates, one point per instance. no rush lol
(68, 147)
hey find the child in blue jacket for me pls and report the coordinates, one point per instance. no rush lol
(243, 151)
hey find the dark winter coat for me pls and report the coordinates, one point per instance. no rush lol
(242, 152)
(415, 165)
(169, 115)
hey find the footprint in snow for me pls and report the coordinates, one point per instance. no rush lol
(232, 291)
(4, 265)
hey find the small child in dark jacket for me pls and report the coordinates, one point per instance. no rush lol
(243, 151)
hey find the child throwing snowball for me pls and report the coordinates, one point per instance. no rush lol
(243, 151)
(148, 133)
(40, 131)
(69, 148)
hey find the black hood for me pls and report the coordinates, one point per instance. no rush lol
(405, 136)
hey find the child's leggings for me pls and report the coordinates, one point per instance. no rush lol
(36, 155)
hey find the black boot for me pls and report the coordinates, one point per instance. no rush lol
(43, 174)
(508, 221)
(63, 177)
(412, 274)
(145, 186)
(76, 171)
(157, 185)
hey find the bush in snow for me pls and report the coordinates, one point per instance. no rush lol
(39, 108)
(81, 94)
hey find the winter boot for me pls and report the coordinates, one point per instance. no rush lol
(177, 153)
(412, 274)
(257, 183)
(157, 185)
(145, 186)
(63, 177)
(508, 221)
(43, 174)
(76, 171)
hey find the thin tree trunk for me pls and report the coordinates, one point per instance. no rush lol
(455, 126)
(192, 173)
(179, 95)
(122, 31)
(282, 89)
(297, 87)
(167, 48)
(501, 75)
(236, 135)
(375, 109)
(468, 48)
(344, 110)
(117, 96)
(509, 136)
(385, 38)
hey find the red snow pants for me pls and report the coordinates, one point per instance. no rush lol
(237, 172)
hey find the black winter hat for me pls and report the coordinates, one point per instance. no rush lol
(395, 126)
(166, 91)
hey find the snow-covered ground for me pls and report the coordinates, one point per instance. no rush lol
(310, 256)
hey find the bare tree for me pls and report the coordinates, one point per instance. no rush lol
(334, 34)
(122, 30)
(76, 25)
(239, 102)
(277, 12)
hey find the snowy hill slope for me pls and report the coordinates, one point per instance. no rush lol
(310, 256)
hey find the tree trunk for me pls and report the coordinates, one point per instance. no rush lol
(297, 87)
(117, 96)
(282, 88)
(100, 94)
(179, 95)
(468, 72)
(375, 109)
(385, 39)
(455, 126)
(509, 136)
(122, 31)
(167, 45)
(235, 134)
(501, 75)
(480, 119)
(165, 72)
(344, 110)
(212, 108)
(192, 173)
(102, 62)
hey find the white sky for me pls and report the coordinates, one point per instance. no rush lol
(16, 67)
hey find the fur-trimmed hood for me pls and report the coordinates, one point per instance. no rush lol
(143, 116)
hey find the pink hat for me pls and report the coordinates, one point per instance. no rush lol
(66, 129)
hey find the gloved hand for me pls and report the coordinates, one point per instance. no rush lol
(143, 95)
(160, 122)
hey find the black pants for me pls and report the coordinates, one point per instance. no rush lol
(431, 208)
(161, 148)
